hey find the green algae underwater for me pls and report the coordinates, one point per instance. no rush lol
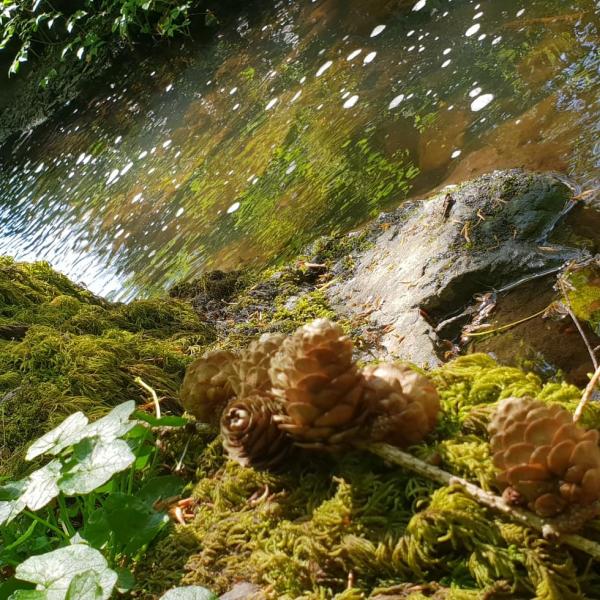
(327, 527)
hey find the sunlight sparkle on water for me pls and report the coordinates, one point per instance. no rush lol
(396, 101)
(351, 101)
(481, 102)
(324, 68)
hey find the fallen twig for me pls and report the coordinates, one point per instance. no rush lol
(410, 462)
(587, 394)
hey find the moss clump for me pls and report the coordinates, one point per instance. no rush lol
(584, 294)
(79, 352)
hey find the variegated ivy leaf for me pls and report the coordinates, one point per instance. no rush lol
(55, 572)
(94, 463)
(69, 432)
(114, 425)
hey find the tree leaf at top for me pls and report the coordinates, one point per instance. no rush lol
(95, 464)
(69, 432)
(55, 571)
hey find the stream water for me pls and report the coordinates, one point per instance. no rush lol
(296, 120)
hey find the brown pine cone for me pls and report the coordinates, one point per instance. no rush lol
(314, 374)
(544, 460)
(252, 368)
(250, 435)
(405, 404)
(206, 387)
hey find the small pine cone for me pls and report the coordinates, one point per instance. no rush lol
(405, 404)
(547, 461)
(250, 435)
(206, 387)
(315, 376)
(252, 368)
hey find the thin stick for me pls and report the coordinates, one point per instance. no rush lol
(569, 308)
(587, 394)
(142, 383)
(398, 457)
(507, 326)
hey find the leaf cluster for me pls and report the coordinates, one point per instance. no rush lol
(84, 27)
(88, 513)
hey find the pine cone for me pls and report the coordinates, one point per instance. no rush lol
(206, 387)
(405, 404)
(544, 459)
(314, 374)
(250, 435)
(252, 368)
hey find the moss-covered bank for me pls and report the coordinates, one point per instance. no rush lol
(63, 349)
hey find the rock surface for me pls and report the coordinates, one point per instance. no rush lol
(430, 257)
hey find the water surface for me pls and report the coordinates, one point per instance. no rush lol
(297, 120)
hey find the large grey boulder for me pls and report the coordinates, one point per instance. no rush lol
(430, 257)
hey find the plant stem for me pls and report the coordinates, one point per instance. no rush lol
(398, 457)
(45, 523)
(64, 515)
(149, 389)
(587, 394)
(507, 326)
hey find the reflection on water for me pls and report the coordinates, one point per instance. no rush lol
(309, 117)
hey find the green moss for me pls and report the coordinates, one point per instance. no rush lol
(313, 305)
(298, 534)
(584, 294)
(80, 352)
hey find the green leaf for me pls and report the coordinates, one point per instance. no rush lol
(93, 464)
(132, 522)
(161, 487)
(11, 505)
(69, 432)
(85, 586)
(28, 595)
(192, 592)
(126, 580)
(169, 421)
(12, 585)
(54, 572)
(96, 531)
